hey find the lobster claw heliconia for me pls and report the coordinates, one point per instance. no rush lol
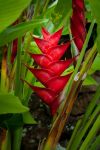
(78, 23)
(50, 68)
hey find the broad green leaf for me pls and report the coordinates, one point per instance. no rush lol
(28, 119)
(89, 81)
(95, 5)
(10, 10)
(11, 104)
(19, 30)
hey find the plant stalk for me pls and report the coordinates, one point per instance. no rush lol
(17, 134)
(91, 134)
(58, 126)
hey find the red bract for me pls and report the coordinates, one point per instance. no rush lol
(57, 67)
(78, 23)
(51, 68)
(54, 38)
(42, 59)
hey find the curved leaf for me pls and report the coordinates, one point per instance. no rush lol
(16, 31)
(11, 104)
(10, 10)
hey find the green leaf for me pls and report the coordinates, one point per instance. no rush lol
(95, 5)
(39, 84)
(28, 119)
(68, 70)
(92, 133)
(11, 104)
(10, 10)
(15, 121)
(89, 81)
(19, 30)
(96, 144)
(61, 12)
(96, 65)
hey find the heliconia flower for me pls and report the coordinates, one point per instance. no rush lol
(54, 38)
(45, 33)
(41, 59)
(46, 94)
(58, 67)
(78, 23)
(43, 75)
(57, 83)
(50, 69)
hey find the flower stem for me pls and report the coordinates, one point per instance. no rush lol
(91, 134)
(59, 123)
(18, 69)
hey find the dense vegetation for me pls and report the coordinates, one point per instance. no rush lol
(49, 53)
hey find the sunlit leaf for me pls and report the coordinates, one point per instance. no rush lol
(61, 11)
(11, 104)
(15, 31)
(95, 5)
(10, 10)
(28, 119)
(89, 81)
(96, 65)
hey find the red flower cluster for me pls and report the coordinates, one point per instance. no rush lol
(51, 68)
(78, 23)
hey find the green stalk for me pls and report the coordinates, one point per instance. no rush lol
(18, 70)
(80, 134)
(17, 138)
(45, 5)
(91, 106)
(96, 144)
(25, 73)
(86, 116)
(73, 135)
(91, 134)
(81, 56)
(72, 93)
(36, 9)
(17, 133)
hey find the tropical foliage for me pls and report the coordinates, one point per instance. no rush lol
(35, 58)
